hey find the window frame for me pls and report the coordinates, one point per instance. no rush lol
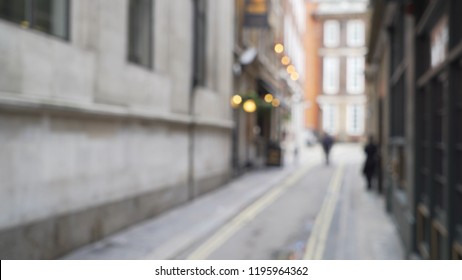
(329, 124)
(355, 114)
(29, 16)
(200, 43)
(331, 75)
(149, 64)
(331, 33)
(356, 33)
(355, 73)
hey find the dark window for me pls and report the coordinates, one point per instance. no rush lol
(200, 41)
(422, 231)
(13, 10)
(49, 16)
(397, 85)
(457, 251)
(140, 32)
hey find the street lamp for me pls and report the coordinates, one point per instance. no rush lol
(279, 48)
(285, 60)
(290, 69)
(236, 100)
(276, 103)
(249, 106)
(294, 76)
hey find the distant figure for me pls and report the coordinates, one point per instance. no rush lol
(327, 143)
(371, 161)
(296, 158)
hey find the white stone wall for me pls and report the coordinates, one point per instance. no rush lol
(52, 166)
(84, 127)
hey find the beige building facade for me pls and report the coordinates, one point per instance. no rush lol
(342, 99)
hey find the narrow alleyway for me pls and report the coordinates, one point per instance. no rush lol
(305, 210)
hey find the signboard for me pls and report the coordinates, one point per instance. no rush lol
(256, 13)
(274, 156)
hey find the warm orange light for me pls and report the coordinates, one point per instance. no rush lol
(278, 48)
(290, 69)
(269, 98)
(250, 106)
(285, 60)
(276, 103)
(236, 100)
(294, 76)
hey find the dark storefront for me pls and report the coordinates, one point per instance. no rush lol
(424, 102)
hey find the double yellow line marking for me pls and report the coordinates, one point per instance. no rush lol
(228, 230)
(316, 244)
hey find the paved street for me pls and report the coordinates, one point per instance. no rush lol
(304, 211)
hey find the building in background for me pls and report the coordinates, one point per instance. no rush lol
(293, 75)
(111, 112)
(313, 42)
(343, 48)
(414, 69)
(269, 68)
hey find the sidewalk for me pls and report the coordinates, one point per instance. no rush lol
(361, 230)
(168, 235)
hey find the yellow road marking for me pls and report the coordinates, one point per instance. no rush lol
(228, 230)
(316, 244)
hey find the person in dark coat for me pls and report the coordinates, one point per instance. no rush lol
(370, 165)
(327, 143)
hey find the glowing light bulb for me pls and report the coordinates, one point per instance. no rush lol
(236, 100)
(250, 106)
(279, 48)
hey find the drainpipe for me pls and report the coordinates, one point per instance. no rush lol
(191, 145)
(191, 113)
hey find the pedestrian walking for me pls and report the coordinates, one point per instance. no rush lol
(327, 143)
(370, 165)
(296, 160)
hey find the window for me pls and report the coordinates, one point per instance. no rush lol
(439, 42)
(355, 33)
(355, 120)
(200, 42)
(329, 115)
(49, 16)
(423, 238)
(355, 75)
(331, 33)
(457, 251)
(140, 32)
(331, 75)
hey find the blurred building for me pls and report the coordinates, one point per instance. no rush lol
(313, 42)
(342, 90)
(268, 39)
(293, 74)
(415, 83)
(111, 112)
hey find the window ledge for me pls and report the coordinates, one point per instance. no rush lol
(14, 103)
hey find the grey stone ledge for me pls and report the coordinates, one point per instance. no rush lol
(16, 102)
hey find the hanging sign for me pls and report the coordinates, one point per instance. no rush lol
(256, 13)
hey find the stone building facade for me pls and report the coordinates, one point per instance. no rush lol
(111, 111)
(343, 48)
